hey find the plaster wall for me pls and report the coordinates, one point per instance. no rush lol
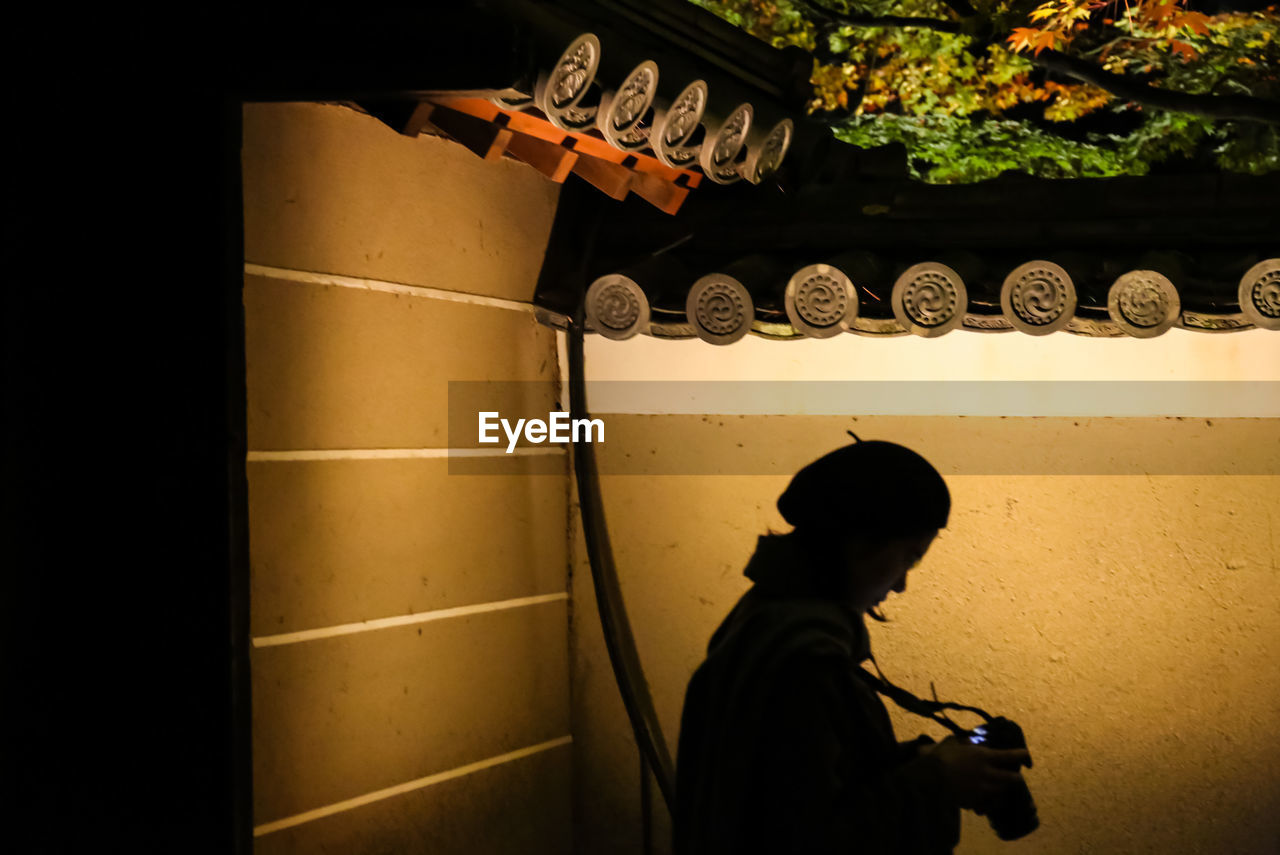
(410, 673)
(1127, 620)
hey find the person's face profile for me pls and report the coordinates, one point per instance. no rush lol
(876, 567)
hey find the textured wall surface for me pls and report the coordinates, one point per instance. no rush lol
(310, 571)
(1128, 622)
(338, 367)
(442, 726)
(329, 189)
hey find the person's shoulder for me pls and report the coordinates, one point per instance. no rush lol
(803, 628)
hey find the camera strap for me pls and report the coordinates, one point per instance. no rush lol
(934, 709)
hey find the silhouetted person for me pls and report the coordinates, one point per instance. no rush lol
(783, 748)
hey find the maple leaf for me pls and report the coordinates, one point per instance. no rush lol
(1045, 40)
(1021, 37)
(1156, 12)
(1195, 22)
(1182, 49)
(1079, 13)
(1029, 37)
(1041, 12)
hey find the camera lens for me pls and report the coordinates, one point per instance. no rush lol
(1014, 814)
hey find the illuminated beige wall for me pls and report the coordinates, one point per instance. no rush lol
(408, 735)
(1129, 622)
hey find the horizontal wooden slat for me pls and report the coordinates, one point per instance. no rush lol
(337, 718)
(522, 808)
(339, 541)
(335, 367)
(329, 189)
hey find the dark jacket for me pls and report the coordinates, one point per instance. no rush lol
(783, 749)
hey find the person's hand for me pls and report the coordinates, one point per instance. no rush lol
(975, 776)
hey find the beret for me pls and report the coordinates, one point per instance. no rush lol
(868, 487)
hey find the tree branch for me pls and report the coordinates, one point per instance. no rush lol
(1238, 107)
(881, 20)
(1246, 108)
(900, 21)
(961, 8)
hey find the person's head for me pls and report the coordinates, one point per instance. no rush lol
(868, 512)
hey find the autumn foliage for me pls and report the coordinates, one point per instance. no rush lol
(1059, 20)
(1060, 88)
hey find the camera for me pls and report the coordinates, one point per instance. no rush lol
(1013, 814)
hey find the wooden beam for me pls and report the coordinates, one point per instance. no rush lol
(482, 137)
(663, 195)
(534, 126)
(611, 179)
(418, 119)
(551, 159)
(402, 115)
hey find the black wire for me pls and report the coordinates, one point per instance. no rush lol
(646, 808)
(619, 641)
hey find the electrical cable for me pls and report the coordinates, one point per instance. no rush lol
(619, 640)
